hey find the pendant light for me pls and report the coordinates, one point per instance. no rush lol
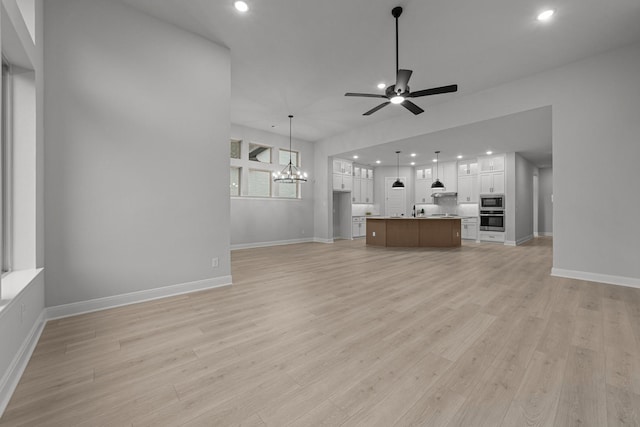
(437, 183)
(398, 185)
(290, 174)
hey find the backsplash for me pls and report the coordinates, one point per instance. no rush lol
(362, 209)
(449, 206)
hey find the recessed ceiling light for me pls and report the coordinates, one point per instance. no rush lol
(355, 156)
(413, 154)
(435, 160)
(546, 15)
(381, 85)
(241, 6)
(460, 156)
(489, 153)
(413, 163)
(378, 161)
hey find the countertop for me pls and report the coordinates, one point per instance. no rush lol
(419, 217)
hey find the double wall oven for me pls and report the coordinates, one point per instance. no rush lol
(492, 212)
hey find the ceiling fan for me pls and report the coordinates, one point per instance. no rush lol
(400, 93)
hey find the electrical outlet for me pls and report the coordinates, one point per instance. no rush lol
(214, 262)
(373, 233)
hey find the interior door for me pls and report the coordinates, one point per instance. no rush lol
(395, 200)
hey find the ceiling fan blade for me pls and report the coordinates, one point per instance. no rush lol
(434, 91)
(402, 80)
(366, 95)
(412, 107)
(374, 109)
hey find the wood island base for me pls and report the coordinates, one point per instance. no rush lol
(441, 232)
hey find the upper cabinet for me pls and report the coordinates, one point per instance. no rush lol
(492, 163)
(447, 174)
(342, 175)
(362, 185)
(424, 179)
(468, 168)
(492, 177)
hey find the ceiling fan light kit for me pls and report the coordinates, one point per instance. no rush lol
(399, 93)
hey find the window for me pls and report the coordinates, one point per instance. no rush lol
(235, 148)
(259, 183)
(289, 191)
(259, 153)
(234, 181)
(6, 166)
(284, 157)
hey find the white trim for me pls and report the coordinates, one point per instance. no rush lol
(273, 243)
(319, 240)
(98, 304)
(510, 243)
(545, 234)
(12, 376)
(631, 282)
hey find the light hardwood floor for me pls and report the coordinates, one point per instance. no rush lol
(344, 334)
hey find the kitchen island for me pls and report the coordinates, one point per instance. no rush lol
(430, 232)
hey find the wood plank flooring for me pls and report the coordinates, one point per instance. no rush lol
(349, 335)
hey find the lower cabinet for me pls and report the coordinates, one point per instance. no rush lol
(491, 236)
(470, 228)
(358, 226)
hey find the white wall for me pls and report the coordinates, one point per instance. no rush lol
(137, 153)
(256, 221)
(545, 204)
(595, 104)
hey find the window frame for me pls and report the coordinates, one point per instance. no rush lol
(6, 171)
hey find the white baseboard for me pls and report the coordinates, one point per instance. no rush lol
(97, 304)
(545, 234)
(630, 282)
(510, 243)
(10, 380)
(319, 240)
(273, 243)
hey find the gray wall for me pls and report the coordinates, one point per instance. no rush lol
(137, 153)
(254, 220)
(593, 100)
(524, 173)
(545, 205)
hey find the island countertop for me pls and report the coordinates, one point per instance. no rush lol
(434, 231)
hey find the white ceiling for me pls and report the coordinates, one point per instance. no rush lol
(300, 57)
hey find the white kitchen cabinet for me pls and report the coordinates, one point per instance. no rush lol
(424, 173)
(342, 175)
(423, 192)
(356, 194)
(362, 185)
(358, 226)
(470, 228)
(449, 176)
(367, 197)
(491, 163)
(468, 189)
(467, 168)
(491, 236)
(492, 183)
